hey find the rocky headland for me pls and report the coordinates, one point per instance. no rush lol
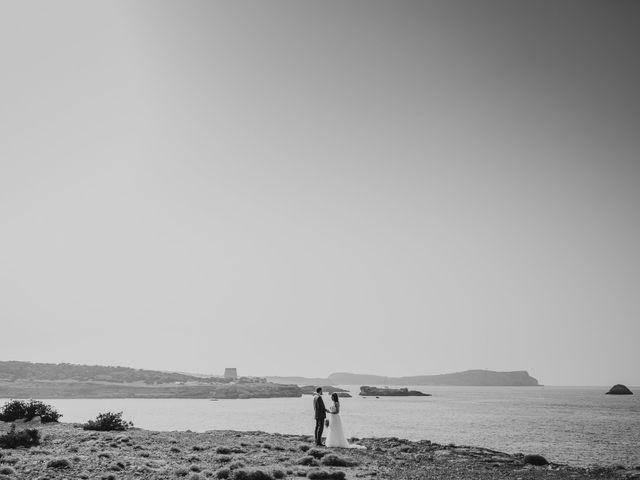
(69, 452)
(47, 380)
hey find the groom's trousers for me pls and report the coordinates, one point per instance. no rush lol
(319, 430)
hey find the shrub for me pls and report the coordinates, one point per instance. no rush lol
(251, 475)
(107, 422)
(324, 475)
(317, 453)
(17, 409)
(278, 474)
(336, 461)
(26, 438)
(223, 473)
(59, 463)
(7, 471)
(308, 460)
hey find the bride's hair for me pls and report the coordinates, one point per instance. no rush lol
(334, 397)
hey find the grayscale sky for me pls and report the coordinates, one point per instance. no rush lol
(298, 188)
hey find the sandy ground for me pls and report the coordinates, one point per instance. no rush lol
(69, 452)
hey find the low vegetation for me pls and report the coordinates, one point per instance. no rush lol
(25, 438)
(108, 422)
(333, 460)
(19, 409)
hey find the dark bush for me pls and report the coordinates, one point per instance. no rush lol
(17, 409)
(227, 450)
(251, 475)
(308, 460)
(336, 461)
(317, 453)
(223, 473)
(59, 463)
(26, 438)
(278, 474)
(107, 422)
(324, 475)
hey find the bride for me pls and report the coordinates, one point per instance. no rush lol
(335, 435)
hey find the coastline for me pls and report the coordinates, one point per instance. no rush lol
(145, 454)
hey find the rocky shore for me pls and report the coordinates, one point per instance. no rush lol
(69, 452)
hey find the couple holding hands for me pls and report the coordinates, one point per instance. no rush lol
(335, 433)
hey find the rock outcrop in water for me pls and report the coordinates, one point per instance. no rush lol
(619, 389)
(390, 392)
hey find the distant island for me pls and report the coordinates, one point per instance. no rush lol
(64, 380)
(468, 378)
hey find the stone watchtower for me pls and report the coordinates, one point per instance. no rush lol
(231, 373)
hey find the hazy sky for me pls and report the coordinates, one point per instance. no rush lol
(298, 188)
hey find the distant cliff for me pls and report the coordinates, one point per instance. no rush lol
(479, 378)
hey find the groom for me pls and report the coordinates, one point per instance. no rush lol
(321, 414)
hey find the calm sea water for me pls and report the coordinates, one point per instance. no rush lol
(577, 426)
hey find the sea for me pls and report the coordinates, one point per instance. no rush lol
(579, 426)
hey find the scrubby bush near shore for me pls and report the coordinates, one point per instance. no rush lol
(317, 453)
(59, 463)
(19, 409)
(108, 422)
(223, 473)
(26, 438)
(324, 475)
(336, 461)
(252, 475)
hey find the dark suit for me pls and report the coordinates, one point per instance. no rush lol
(321, 414)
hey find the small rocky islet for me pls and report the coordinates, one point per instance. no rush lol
(619, 389)
(67, 451)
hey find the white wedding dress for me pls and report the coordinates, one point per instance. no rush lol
(335, 434)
